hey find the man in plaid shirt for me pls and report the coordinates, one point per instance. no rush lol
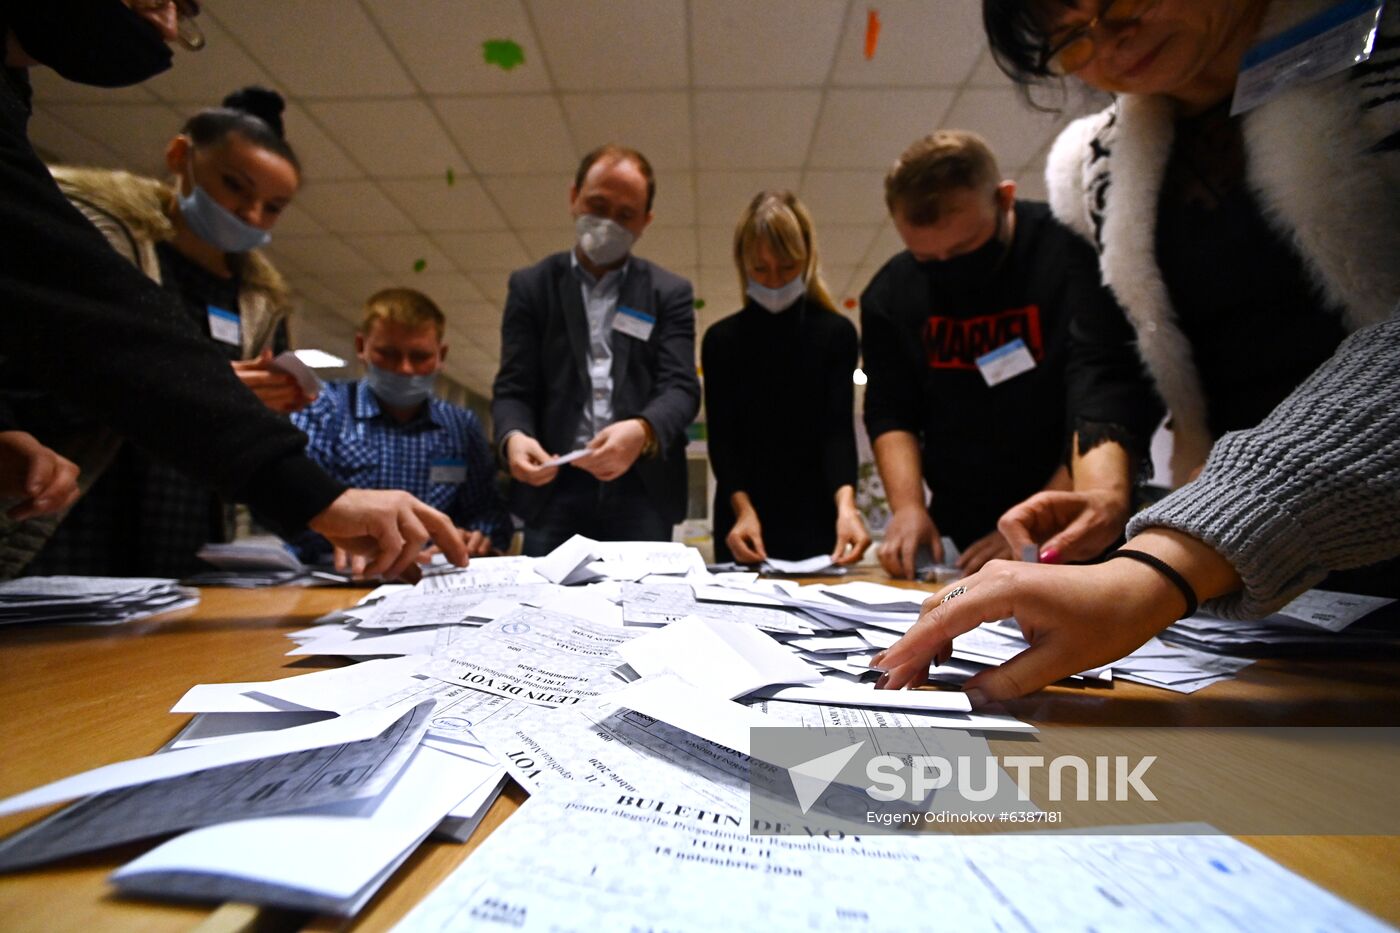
(387, 431)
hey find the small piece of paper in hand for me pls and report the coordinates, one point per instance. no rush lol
(569, 457)
(288, 362)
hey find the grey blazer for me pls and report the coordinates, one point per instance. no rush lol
(543, 383)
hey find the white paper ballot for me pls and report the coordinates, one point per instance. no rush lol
(678, 703)
(1332, 611)
(330, 860)
(840, 694)
(569, 457)
(288, 362)
(816, 564)
(534, 655)
(724, 658)
(677, 864)
(241, 790)
(662, 604)
(562, 564)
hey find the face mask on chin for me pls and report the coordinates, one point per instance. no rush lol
(777, 299)
(101, 43)
(217, 225)
(398, 390)
(603, 241)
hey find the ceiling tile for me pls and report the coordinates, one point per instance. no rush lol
(483, 252)
(778, 43)
(452, 290)
(57, 143)
(920, 44)
(532, 201)
(845, 245)
(754, 129)
(838, 280)
(844, 197)
(595, 45)
(987, 74)
(314, 292)
(675, 198)
(204, 78)
(724, 195)
(494, 284)
(1014, 130)
(718, 286)
(435, 205)
(509, 134)
(137, 133)
(541, 243)
(49, 87)
(669, 247)
(353, 207)
(398, 253)
(305, 45)
(886, 246)
(389, 138)
(656, 124)
(441, 43)
(325, 258)
(870, 128)
(295, 222)
(321, 158)
(716, 246)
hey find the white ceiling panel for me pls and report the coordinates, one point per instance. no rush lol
(441, 43)
(326, 258)
(483, 252)
(321, 158)
(510, 134)
(724, 195)
(754, 129)
(777, 43)
(436, 205)
(204, 78)
(919, 44)
(601, 45)
(671, 247)
(844, 244)
(56, 141)
(398, 253)
(870, 128)
(493, 283)
(657, 125)
(1014, 130)
(389, 138)
(849, 197)
(49, 87)
(532, 201)
(317, 48)
(452, 291)
(541, 243)
(675, 198)
(718, 286)
(137, 133)
(353, 207)
(838, 278)
(294, 223)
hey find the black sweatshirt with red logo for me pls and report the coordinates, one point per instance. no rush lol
(985, 448)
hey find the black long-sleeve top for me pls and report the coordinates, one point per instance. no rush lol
(780, 416)
(80, 321)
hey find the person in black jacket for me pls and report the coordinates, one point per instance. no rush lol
(964, 336)
(779, 401)
(81, 322)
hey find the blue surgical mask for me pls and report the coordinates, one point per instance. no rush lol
(399, 391)
(777, 299)
(213, 223)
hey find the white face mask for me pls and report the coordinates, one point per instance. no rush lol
(603, 241)
(777, 299)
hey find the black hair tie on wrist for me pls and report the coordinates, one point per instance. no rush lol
(1166, 570)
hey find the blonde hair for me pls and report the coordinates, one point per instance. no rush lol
(945, 161)
(405, 307)
(778, 219)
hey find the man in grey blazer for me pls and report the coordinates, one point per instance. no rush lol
(598, 356)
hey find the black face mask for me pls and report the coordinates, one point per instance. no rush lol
(103, 44)
(977, 266)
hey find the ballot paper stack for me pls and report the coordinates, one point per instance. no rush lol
(90, 600)
(597, 667)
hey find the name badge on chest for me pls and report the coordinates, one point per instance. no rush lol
(633, 323)
(224, 326)
(1005, 362)
(1334, 40)
(450, 470)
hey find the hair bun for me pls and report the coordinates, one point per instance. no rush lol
(262, 103)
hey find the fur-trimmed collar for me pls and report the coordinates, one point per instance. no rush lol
(144, 206)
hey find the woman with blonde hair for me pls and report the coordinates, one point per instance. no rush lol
(779, 399)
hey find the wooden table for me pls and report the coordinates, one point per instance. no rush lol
(74, 698)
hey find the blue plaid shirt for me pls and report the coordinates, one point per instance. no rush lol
(360, 444)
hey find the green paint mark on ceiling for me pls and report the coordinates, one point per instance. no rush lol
(503, 52)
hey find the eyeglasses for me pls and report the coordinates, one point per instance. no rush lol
(1076, 48)
(187, 30)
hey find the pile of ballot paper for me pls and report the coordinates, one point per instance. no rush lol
(601, 667)
(90, 600)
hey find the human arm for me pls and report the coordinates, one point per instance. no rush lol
(1074, 524)
(674, 399)
(279, 391)
(478, 506)
(852, 537)
(745, 539)
(42, 481)
(381, 532)
(839, 463)
(516, 394)
(910, 526)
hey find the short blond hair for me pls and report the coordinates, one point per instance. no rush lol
(403, 306)
(778, 219)
(944, 161)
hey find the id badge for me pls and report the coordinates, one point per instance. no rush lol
(224, 326)
(1334, 40)
(449, 470)
(633, 323)
(1005, 362)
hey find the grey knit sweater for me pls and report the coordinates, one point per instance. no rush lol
(1314, 488)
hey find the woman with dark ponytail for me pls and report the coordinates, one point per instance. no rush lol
(198, 236)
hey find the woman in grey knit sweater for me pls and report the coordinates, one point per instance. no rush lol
(1313, 488)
